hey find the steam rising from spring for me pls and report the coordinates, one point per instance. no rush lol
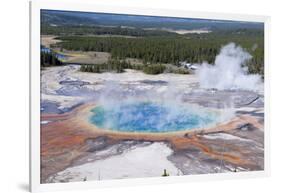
(228, 71)
(130, 108)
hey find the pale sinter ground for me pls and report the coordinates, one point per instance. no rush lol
(67, 87)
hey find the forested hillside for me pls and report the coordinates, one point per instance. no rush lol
(97, 30)
(156, 41)
(194, 48)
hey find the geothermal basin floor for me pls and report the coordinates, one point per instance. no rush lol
(73, 150)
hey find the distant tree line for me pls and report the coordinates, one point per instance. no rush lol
(163, 50)
(98, 30)
(119, 66)
(49, 59)
(112, 65)
(149, 49)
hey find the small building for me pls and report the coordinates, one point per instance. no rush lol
(189, 66)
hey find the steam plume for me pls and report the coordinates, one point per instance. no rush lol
(228, 71)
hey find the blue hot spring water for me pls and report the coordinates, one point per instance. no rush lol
(151, 117)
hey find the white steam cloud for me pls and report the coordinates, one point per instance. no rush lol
(228, 71)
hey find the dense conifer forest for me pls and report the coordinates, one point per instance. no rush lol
(49, 59)
(153, 47)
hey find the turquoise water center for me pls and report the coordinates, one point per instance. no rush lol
(152, 117)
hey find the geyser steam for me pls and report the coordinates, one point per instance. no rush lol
(228, 71)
